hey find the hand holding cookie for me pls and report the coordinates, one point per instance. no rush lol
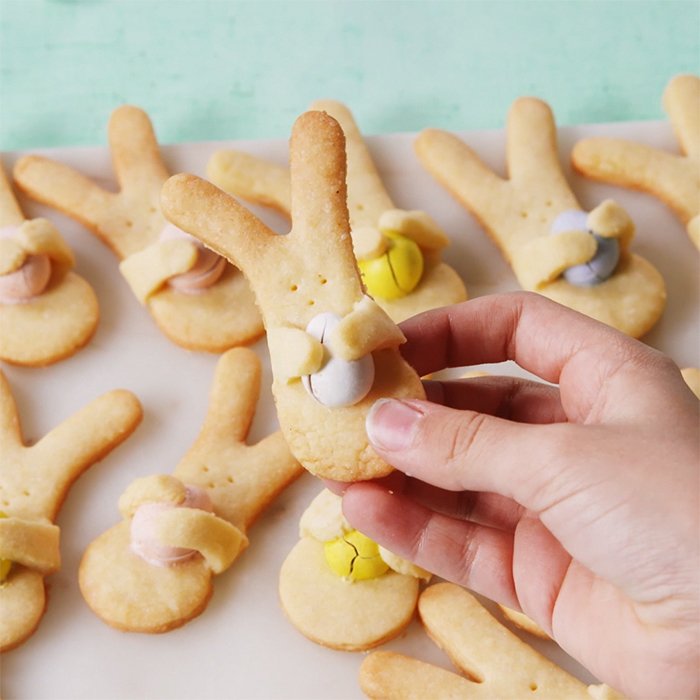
(333, 350)
(508, 467)
(198, 301)
(581, 260)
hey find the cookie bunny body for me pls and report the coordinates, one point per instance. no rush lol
(34, 481)
(367, 597)
(153, 571)
(47, 312)
(296, 278)
(672, 178)
(199, 302)
(399, 252)
(580, 260)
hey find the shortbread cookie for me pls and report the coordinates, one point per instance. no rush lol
(398, 251)
(496, 663)
(340, 589)
(47, 312)
(580, 260)
(672, 178)
(152, 572)
(334, 351)
(34, 481)
(196, 299)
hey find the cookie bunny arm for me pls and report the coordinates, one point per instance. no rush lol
(457, 168)
(10, 213)
(253, 179)
(65, 189)
(532, 155)
(681, 100)
(367, 198)
(83, 439)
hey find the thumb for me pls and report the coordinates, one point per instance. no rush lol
(460, 450)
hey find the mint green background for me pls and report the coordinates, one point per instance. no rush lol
(246, 69)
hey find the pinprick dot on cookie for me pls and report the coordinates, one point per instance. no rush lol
(523, 214)
(205, 468)
(311, 302)
(533, 686)
(293, 288)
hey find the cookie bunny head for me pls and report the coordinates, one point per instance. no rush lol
(318, 318)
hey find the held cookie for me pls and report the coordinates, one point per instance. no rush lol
(340, 589)
(34, 481)
(196, 299)
(334, 351)
(398, 251)
(579, 259)
(496, 663)
(153, 571)
(672, 178)
(47, 312)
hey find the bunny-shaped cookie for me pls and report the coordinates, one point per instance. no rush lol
(672, 178)
(333, 350)
(34, 481)
(497, 664)
(198, 301)
(153, 571)
(398, 251)
(580, 260)
(47, 312)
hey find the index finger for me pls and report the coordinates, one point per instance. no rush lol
(540, 335)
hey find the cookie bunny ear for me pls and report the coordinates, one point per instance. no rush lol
(218, 220)
(135, 153)
(319, 190)
(367, 197)
(10, 213)
(234, 395)
(682, 102)
(65, 189)
(532, 148)
(454, 165)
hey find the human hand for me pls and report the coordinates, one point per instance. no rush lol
(577, 504)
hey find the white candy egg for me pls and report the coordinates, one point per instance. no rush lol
(601, 265)
(339, 382)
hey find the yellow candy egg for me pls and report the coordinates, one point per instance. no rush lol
(5, 564)
(395, 273)
(355, 556)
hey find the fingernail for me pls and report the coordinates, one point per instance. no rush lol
(390, 424)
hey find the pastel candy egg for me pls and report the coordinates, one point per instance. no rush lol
(339, 382)
(601, 265)
(5, 564)
(144, 540)
(395, 273)
(355, 556)
(206, 271)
